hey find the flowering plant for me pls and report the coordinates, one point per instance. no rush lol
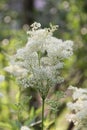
(38, 63)
(78, 108)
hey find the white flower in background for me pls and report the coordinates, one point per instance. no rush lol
(2, 78)
(78, 93)
(79, 107)
(25, 128)
(1, 95)
(16, 70)
(38, 63)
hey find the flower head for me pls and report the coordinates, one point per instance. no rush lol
(38, 63)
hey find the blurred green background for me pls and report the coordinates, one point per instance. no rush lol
(15, 18)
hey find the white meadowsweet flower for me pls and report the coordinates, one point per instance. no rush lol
(79, 106)
(78, 93)
(71, 117)
(35, 25)
(2, 78)
(25, 128)
(38, 63)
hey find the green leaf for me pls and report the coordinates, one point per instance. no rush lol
(5, 125)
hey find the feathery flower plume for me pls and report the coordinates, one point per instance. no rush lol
(38, 63)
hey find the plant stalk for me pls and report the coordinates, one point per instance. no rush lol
(43, 102)
(19, 113)
(55, 121)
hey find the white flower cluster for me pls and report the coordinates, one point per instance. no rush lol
(2, 78)
(38, 63)
(79, 108)
(25, 128)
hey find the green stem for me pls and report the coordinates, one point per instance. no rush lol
(19, 113)
(55, 120)
(43, 102)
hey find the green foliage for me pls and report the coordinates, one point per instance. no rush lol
(55, 103)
